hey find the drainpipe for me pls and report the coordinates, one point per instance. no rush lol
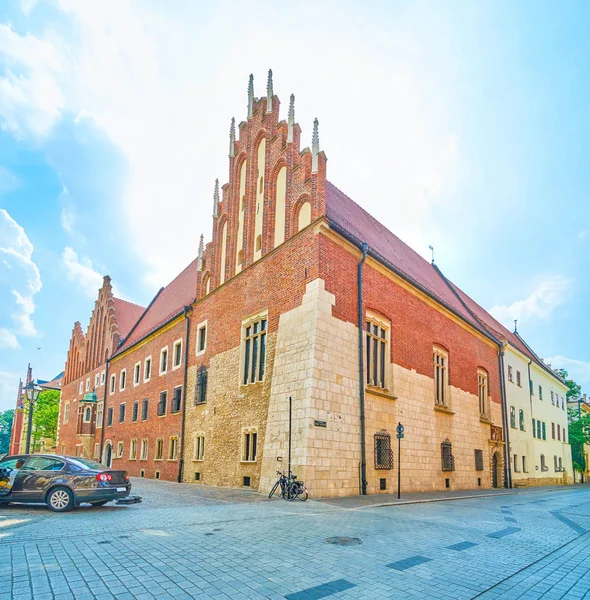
(104, 408)
(507, 461)
(364, 249)
(186, 344)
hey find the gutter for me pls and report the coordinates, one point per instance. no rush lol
(361, 319)
(182, 426)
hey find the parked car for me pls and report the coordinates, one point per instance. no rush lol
(62, 482)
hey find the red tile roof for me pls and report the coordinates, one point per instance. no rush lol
(167, 304)
(127, 315)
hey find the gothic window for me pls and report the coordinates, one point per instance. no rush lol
(159, 449)
(441, 376)
(249, 443)
(482, 388)
(173, 448)
(376, 335)
(383, 451)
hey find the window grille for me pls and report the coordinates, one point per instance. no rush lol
(176, 399)
(201, 386)
(254, 351)
(383, 451)
(162, 403)
(479, 460)
(376, 341)
(448, 460)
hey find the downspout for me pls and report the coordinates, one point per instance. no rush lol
(104, 408)
(507, 462)
(186, 344)
(364, 249)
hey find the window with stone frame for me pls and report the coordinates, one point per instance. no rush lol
(135, 411)
(147, 369)
(113, 384)
(510, 373)
(173, 448)
(144, 409)
(122, 412)
(164, 360)
(176, 399)
(66, 417)
(120, 449)
(201, 338)
(136, 374)
(201, 385)
(144, 449)
(159, 449)
(441, 376)
(383, 451)
(122, 379)
(87, 415)
(177, 354)
(81, 388)
(87, 384)
(249, 444)
(162, 403)
(102, 377)
(512, 417)
(110, 412)
(376, 351)
(99, 414)
(478, 460)
(199, 447)
(133, 449)
(521, 419)
(483, 393)
(254, 349)
(96, 379)
(448, 460)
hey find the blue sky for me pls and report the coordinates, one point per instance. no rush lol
(461, 125)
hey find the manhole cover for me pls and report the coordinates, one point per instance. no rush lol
(343, 541)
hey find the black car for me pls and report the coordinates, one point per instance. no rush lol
(61, 482)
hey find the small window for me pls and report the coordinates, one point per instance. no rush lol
(448, 460)
(201, 338)
(383, 452)
(176, 399)
(110, 416)
(534, 429)
(540, 393)
(88, 384)
(119, 449)
(553, 398)
(144, 409)
(177, 354)
(96, 380)
(555, 464)
(544, 431)
(539, 429)
(133, 449)
(197, 476)
(102, 377)
(163, 361)
(172, 448)
(518, 379)
(99, 414)
(81, 388)
(479, 460)
(87, 414)
(66, 412)
(147, 369)
(142, 473)
(383, 483)
(544, 467)
(532, 387)
(121, 413)
(552, 431)
(113, 384)
(136, 373)
(512, 417)
(157, 475)
(159, 449)
(510, 373)
(201, 386)
(258, 243)
(482, 387)
(521, 419)
(441, 376)
(246, 481)
(135, 411)
(122, 379)
(558, 432)
(199, 447)
(376, 338)
(561, 464)
(249, 446)
(144, 449)
(254, 344)
(162, 403)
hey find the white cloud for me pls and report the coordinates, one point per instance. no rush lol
(20, 279)
(161, 85)
(549, 293)
(8, 340)
(81, 272)
(578, 370)
(8, 389)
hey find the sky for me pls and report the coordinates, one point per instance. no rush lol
(460, 125)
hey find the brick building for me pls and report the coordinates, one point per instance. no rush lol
(302, 294)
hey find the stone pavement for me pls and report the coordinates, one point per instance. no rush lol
(199, 542)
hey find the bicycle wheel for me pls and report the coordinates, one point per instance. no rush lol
(303, 495)
(274, 489)
(290, 493)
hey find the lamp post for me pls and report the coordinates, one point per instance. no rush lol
(32, 391)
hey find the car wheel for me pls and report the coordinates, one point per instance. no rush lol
(99, 503)
(60, 499)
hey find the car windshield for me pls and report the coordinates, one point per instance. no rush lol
(87, 464)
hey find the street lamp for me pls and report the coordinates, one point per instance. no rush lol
(32, 391)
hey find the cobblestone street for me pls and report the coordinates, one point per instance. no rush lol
(197, 542)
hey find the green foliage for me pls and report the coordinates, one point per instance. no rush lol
(575, 390)
(6, 418)
(579, 435)
(45, 416)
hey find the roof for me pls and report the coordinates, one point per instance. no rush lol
(167, 304)
(127, 315)
(349, 216)
(53, 384)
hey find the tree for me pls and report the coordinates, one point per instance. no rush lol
(575, 390)
(45, 417)
(6, 418)
(579, 436)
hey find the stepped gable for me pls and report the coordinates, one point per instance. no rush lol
(168, 303)
(349, 216)
(127, 314)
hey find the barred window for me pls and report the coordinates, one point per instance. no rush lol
(159, 449)
(441, 376)
(479, 460)
(176, 399)
(376, 349)
(254, 350)
(201, 386)
(135, 411)
(383, 451)
(512, 417)
(448, 460)
(144, 409)
(162, 403)
(521, 419)
(482, 389)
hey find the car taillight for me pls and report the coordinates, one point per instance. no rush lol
(104, 477)
(126, 477)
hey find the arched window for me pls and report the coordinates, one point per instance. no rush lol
(223, 252)
(281, 194)
(304, 216)
(87, 414)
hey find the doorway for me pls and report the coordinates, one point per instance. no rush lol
(107, 454)
(495, 470)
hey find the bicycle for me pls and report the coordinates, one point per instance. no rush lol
(290, 488)
(282, 482)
